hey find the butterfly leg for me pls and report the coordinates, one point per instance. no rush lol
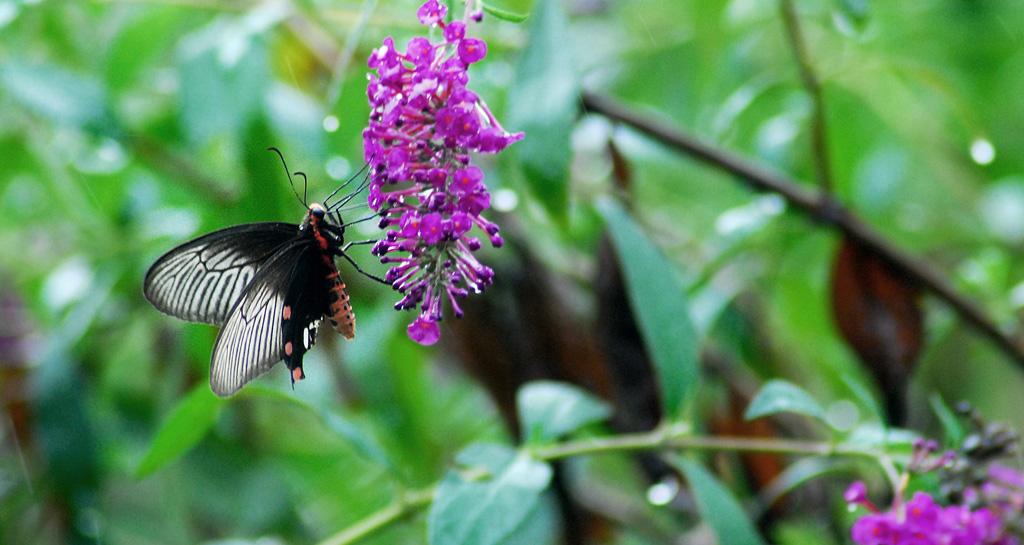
(371, 276)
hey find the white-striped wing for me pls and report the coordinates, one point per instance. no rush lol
(252, 339)
(201, 280)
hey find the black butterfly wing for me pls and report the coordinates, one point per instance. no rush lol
(306, 305)
(275, 318)
(201, 280)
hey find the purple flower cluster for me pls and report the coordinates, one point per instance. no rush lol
(424, 123)
(921, 521)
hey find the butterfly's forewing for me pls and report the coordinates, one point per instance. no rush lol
(201, 280)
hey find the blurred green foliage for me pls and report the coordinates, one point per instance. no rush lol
(128, 126)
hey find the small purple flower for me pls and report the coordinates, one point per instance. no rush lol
(857, 494)
(437, 178)
(475, 202)
(466, 180)
(424, 331)
(472, 50)
(375, 198)
(410, 224)
(384, 56)
(873, 529)
(431, 229)
(420, 52)
(461, 224)
(455, 31)
(431, 13)
(424, 123)
(921, 510)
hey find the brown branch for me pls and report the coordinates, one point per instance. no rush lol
(819, 206)
(157, 156)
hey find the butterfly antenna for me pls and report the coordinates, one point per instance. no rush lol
(349, 181)
(303, 174)
(279, 154)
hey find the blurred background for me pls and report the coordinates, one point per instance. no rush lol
(127, 127)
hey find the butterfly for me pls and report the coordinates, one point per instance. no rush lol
(267, 285)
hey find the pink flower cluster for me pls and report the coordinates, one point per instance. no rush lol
(424, 123)
(921, 521)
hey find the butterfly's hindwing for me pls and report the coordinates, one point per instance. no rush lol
(201, 280)
(304, 308)
(252, 339)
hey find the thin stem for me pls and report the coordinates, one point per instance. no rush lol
(344, 58)
(467, 14)
(819, 129)
(395, 511)
(657, 440)
(205, 4)
(662, 438)
(819, 206)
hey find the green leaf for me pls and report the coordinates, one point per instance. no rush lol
(851, 15)
(951, 424)
(224, 75)
(801, 471)
(141, 40)
(657, 296)
(872, 434)
(362, 442)
(63, 97)
(864, 396)
(505, 15)
(779, 396)
(504, 507)
(719, 507)
(487, 457)
(545, 98)
(855, 8)
(548, 410)
(188, 423)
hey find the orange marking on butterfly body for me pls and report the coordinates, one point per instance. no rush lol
(339, 308)
(288, 348)
(297, 374)
(287, 312)
(342, 318)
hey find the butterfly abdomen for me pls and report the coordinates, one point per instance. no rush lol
(339, 309)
